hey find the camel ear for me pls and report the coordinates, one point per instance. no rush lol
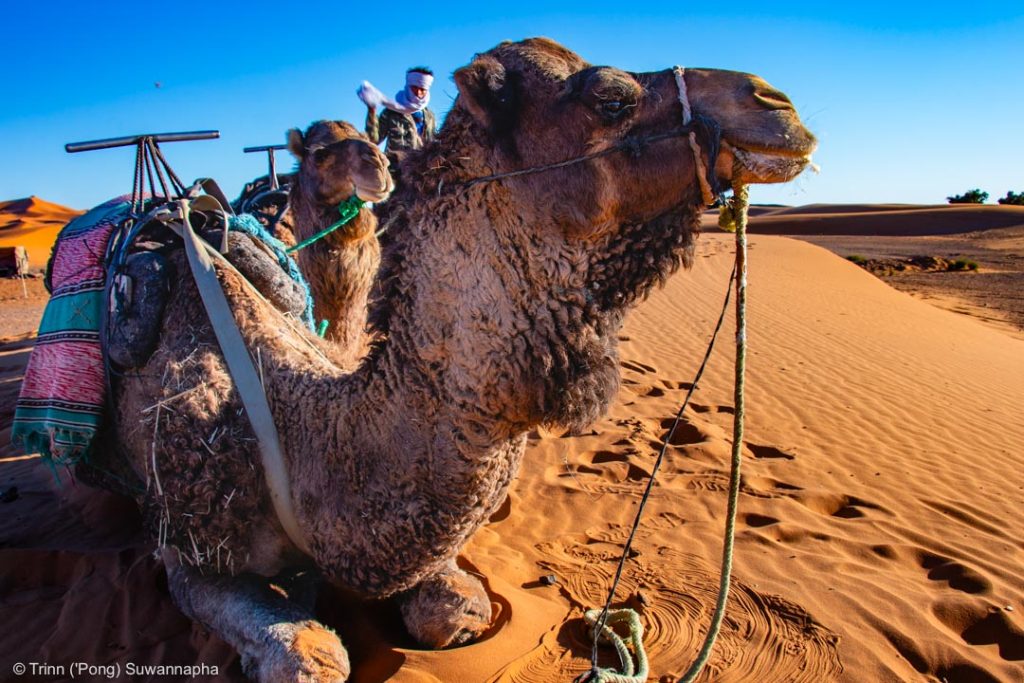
(296, 145)
(487, 92)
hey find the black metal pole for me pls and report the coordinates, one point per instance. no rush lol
(107, 143)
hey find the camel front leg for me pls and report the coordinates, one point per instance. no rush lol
(279, 640)
(447, 609)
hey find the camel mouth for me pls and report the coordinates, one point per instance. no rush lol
(372, 195)
(376, 193)
(763, 166)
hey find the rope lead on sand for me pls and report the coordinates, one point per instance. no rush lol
(733, 213)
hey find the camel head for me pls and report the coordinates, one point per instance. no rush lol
(336, 161)
(536, 103)
(588, 181)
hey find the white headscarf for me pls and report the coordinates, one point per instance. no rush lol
(405, 101)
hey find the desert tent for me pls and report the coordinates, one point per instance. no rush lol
(13, 261)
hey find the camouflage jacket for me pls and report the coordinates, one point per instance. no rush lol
(399, 129)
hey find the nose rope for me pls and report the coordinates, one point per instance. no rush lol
(348, 209)
(706, 192)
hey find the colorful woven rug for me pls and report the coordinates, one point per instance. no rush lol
(61, 401)
(62, 396)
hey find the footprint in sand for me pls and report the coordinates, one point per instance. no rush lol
(684, 434)
(767, 487)
(614, 467)
(756, 521)
(836, 504)
(959, 576)
(698, 408)
(981, 625)
(639, 367)
(762, 452)
(645, 390)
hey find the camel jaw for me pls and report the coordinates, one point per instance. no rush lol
(761, 166)
(372, 195)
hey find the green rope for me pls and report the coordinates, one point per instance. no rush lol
(739, 214)
(348, 209)
(636, 634)
(733, 217)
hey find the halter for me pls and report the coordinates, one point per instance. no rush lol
(348, 209)
(709, 188)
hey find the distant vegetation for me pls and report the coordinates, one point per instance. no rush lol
(962, 264)
(913, 264)
(974, 196)
(1014, 198)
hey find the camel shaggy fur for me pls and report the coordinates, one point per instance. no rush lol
(497, 310)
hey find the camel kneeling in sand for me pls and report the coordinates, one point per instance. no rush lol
(498, 306)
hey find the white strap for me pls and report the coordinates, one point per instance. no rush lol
(702, 171)
(244, 374)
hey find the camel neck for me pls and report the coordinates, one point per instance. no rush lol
(390, 431)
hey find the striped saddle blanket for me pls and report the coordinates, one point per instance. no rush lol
(61, 401)
(63, 394)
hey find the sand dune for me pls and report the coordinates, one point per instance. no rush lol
(33, 223)
(880, 527)
(886, 219)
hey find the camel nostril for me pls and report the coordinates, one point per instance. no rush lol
(773, 99)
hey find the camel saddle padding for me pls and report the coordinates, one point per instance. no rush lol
(140, 287)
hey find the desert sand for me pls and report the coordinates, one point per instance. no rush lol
(880, 524)
(990, 236)
(33, 223)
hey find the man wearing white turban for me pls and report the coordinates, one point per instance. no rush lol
(405, 122)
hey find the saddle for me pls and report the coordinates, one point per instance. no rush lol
(110, 278)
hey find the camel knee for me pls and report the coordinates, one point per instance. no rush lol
(447, 609)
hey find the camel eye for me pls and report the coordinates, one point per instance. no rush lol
(320, 155)
(613, 109)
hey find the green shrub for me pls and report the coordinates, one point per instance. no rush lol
(857, 258)
(974, 196)
(963, 264)
(1013, 198)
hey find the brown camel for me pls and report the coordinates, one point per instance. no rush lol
(336, 161)
(499, 305)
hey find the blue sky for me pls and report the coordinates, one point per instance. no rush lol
(910, 103)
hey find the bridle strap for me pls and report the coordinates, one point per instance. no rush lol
(633, 144)
(707, 192)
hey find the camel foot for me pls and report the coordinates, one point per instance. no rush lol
(447, 609)
(299, 653)
(277, 637)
